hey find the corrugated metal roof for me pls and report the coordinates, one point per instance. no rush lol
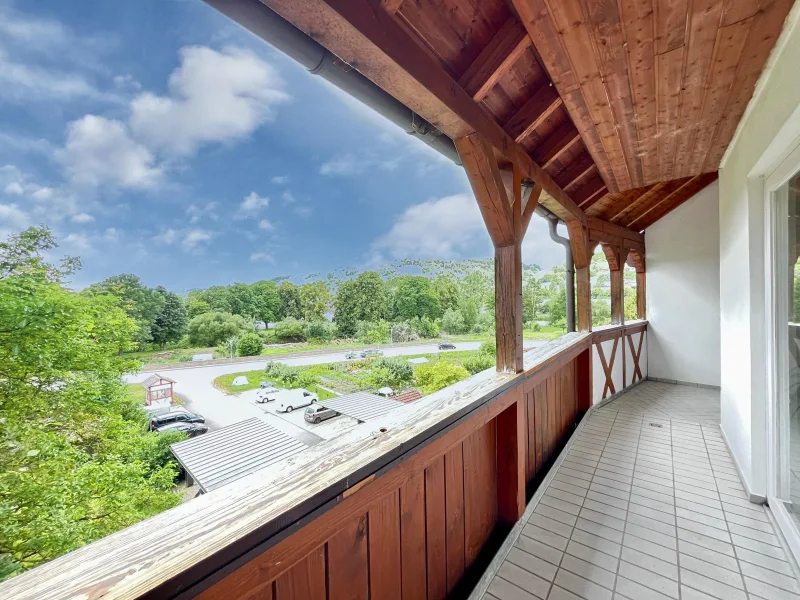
(230, 453)
(362, 405)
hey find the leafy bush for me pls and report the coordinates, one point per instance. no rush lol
(479, 362)
(488, 348)
(433, 377)
(537, 327)
(290, 330)
(424, 327)
(399, 369)
(402, 332)
(381, 377)
(453, 322)
(319, 331)
(211, 329)
(307, 380)
(249, 345)
(372, 332)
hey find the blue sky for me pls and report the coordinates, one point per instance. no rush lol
(158, 138)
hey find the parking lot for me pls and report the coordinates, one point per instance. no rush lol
(326, 429)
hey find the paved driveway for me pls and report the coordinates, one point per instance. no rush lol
(194, 386)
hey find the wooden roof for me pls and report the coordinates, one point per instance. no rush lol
(619, 109)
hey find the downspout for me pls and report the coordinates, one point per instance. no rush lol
(569, 266)
(280, 33)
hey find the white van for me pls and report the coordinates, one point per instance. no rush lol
(288, 400)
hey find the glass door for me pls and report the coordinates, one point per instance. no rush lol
(785, 240)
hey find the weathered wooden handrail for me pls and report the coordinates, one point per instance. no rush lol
(231, 541)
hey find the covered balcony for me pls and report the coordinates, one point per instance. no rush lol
(591, 467)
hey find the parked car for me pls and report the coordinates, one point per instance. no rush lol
(265, 384)
(366, 353)
(266, 395)
(175, 416)
(352, 354)
(447, 346)
(291, 399)
(192, 429)
(317, 412)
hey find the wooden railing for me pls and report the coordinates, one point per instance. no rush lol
(411, 506)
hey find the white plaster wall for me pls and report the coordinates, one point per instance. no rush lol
(683, 291)
(770, 126)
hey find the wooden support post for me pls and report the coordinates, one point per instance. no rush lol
(511, 460)
(615, 265)
(641, 294)
(508, 307)
(582, 255)
(583, 381)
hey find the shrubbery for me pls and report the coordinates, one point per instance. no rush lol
(249, 345)
(290, 330)
(399, 369)
(453, 322)
(211, 329)
(433, 377)
(488, 348)
(479, 362)
(424, 327)
(319, 331)
(372, 332)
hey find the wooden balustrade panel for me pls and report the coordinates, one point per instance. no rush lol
(552, 409)
(412, 541)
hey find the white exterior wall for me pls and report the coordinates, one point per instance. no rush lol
(683, 291)
(769, 129)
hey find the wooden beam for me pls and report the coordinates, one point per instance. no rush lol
(603, 231)
(582, 256)
(494, 61)
(595, 198)
(556, 144)
(508, 307)
(511, 428)
(575, 171)
(641, 294)
(367, 37)
(528, 209)
(487, 184)
(673, 201)
(588, 190)
(533, 113)
(615, 267)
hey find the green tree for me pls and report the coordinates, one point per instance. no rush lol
(290, 330)
(433, 377)
(141, 303)
(213, 328)
(479, 362)
(359, 299)
(478, 285)
(453, 322)
(249, 345)
(447, 290)
(414, 296)
(170, 323)
(601, 312)
(315, 298)
(469, 311)
(533, 298)
(195, 305)
(218, 298)
(372, 332)
(266, 301)
(241, 300)
(76, 460)
(630, 305)
(289, 295)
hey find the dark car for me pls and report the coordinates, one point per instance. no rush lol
(192, 429)
(178, 416)
(446, 346)
(366, 353)
(265, 384)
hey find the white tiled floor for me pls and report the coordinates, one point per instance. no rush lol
(647, 504)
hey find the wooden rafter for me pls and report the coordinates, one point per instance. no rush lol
(533, 113)
(556, 144)
(672, 201)
(575, 171)
(495, 60)
(589, 190)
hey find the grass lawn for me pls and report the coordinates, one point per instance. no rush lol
(225, 383)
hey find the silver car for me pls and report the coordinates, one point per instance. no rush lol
(318, 412)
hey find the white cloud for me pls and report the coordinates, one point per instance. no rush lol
(14, 189)
(111, 234)
(196, 212)
(166, 237)
(82, 218)
(251, 206)
(11, 216)
(214, 97)
(100, 151)
(196, 239)
(280, 179)
(443, 228)
(265, 225)
(43, 193)
(288, 198)
(344, 164)
(78, 241)
(261, 257)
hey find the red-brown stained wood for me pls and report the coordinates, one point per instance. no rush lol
(540, 424)
(588, 191)
(670, 24)
(480, 490)
(436, 532)
(508, 308)
(574, 171)
(348, 571)
(530, 435)
(412, 538)
(674, 200)
(556, 144)
(648, 200)
(384, 548)
(454, 514)
(583, 382)
(264, 593)
(540, 106)
(511, 431)
(669, 68)
(495, 59)
(305, 580)
(641, 295)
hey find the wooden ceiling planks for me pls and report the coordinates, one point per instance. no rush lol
(663, 83)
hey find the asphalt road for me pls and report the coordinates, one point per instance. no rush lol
(194, 386)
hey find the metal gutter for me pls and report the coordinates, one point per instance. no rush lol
(280, 33)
